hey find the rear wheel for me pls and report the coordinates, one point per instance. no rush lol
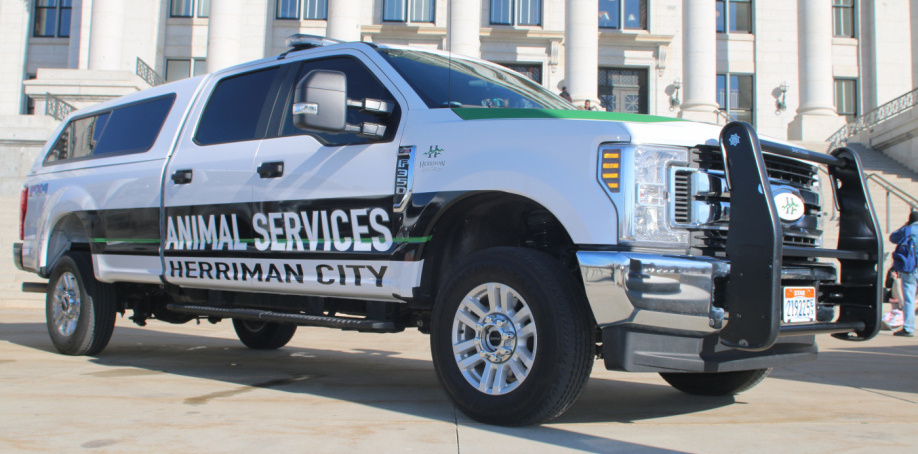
(716, 384)
(80, 310)
(263, 335)
(511, 338)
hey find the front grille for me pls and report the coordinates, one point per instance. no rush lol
(682, 201)
(716, 240)
(709, 226)
(779, 168)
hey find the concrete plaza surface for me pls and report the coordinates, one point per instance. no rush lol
(187, 388)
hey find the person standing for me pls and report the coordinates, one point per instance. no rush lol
(587, 106)
(565, 94)
(909, 281)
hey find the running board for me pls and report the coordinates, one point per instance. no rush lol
(354, 324)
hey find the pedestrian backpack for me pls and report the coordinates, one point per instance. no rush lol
(904, 257)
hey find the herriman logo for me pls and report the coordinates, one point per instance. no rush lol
(789, 205)
(434, 152)
(431, 164)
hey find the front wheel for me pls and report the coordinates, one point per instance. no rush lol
(715, 384)
(80, 310)
(263, 335)
(511, 337)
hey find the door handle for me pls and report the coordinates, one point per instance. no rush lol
(271, 169)
(182, 176)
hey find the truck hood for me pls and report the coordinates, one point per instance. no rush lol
(641, 129)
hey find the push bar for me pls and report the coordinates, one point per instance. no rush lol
(756, 251)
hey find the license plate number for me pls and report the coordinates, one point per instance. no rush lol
(799, 304)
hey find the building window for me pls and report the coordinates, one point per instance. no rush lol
(516, 12)
(183, 68)
(52, 18)
(734, 16)
(533, 71)
(623, 90)
(623, 14)
(843, 18)
(735, 96)
(189, 8)
(312, 10)
(846, 98)
(408, 10)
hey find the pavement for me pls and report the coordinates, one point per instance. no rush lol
(195, 388)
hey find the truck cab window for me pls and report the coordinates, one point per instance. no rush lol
(361, 84)
(238, 109)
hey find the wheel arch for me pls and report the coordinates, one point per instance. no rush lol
(484, 220)
(69, 232)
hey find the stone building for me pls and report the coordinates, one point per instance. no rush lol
(795, 69)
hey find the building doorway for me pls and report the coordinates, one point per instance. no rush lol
(623, 90)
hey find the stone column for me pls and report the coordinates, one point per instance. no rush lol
(106, 36)
(913, 26)
(699, 60)
(464, 23)
(73, 48)
(224, 34)
(16, 26)
(816, 118)
(343, 20)
(581, 50)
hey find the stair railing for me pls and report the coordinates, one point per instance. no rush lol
(874, 117)
(147, 73)
(56, 107)
(892, 190)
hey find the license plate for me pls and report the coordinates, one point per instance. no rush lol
(799, 304)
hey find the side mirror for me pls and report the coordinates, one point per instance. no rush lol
(320, 101)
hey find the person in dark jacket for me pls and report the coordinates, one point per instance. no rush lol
(909, 280)
(565, 94)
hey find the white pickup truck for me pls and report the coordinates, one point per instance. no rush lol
(374, 188)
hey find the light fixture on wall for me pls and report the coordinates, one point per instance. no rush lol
(781, 102)
(674, 96)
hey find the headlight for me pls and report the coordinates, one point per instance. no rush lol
(645, 219)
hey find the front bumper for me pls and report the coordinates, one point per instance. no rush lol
(653, 291)
(729, 309)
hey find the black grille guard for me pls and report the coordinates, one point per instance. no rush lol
(754, 292)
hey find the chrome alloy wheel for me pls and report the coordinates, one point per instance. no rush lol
(494, 338)
(66, 304)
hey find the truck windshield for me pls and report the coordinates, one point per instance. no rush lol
(444, 82)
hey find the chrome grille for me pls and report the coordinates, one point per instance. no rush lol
(702, 188)
(681, 188)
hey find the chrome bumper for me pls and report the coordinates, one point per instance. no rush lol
(653, 292)
(656, 314)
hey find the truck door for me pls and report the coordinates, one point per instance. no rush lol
(323, 220)
(207, 195)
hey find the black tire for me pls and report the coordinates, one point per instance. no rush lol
(263, 335)
(717, 383)
(555, 337)
(79, 310)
